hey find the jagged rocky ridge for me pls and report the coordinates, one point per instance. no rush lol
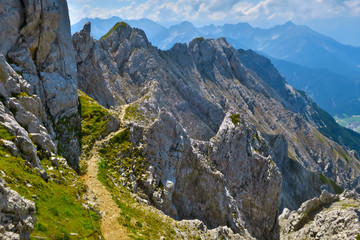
(180, 104)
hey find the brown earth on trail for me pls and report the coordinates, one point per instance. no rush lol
(110, 226)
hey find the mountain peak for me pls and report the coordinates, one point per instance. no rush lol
(289, 23)
(186, 23)
(183, 25)
(118, 26)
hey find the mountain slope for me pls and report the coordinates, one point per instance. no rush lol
(203, 107)
(307, 108)
(333, 92)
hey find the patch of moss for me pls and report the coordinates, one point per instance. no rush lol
(21, 94)
(235, 118)
(132, 113)
(4, 134)
(344, 206)
(341, 152)
(3, 75)
(256, 136)
(59, 211)
(318, 136)
(332, 183)
(116, 26)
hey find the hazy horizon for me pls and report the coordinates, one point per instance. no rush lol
(338, 19)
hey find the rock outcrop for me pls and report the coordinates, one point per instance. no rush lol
(226, 181)
(38, 84)
(17, 215)
(328, 217)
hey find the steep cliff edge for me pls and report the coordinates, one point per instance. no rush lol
(38, 75)
(39, 121)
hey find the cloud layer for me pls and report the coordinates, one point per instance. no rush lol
(201, 12)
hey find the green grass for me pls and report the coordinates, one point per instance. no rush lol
(4, 134)
(332, 183)
(116, 26)
(341, 152)
(132, 113)
(94, 120)
(235, 118)
(58, 210)
(344, 205)
(122, 155)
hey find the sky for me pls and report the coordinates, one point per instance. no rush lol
(259, 13)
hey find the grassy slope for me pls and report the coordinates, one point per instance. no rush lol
(59, 212)
(94, 121)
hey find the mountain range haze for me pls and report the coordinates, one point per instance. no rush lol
(327, 70)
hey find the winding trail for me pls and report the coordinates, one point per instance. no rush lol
(110, 227)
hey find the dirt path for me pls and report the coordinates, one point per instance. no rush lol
(110, 227)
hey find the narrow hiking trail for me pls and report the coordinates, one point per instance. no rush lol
(110, 226)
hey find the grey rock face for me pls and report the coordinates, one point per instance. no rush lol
(226, 181)
(324, 218)
(17, 214)
(35, 38)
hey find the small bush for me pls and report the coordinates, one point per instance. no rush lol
(235, 118)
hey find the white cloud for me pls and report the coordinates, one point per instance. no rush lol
(214, 11)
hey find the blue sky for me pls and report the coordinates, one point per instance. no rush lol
(259, 13)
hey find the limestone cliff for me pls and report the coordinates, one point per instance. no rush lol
(38, 84)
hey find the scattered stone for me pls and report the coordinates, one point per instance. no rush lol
(324, 218)
(43, 174)
(17, 215)
(10, 146)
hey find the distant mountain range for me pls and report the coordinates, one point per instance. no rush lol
(328, 70)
